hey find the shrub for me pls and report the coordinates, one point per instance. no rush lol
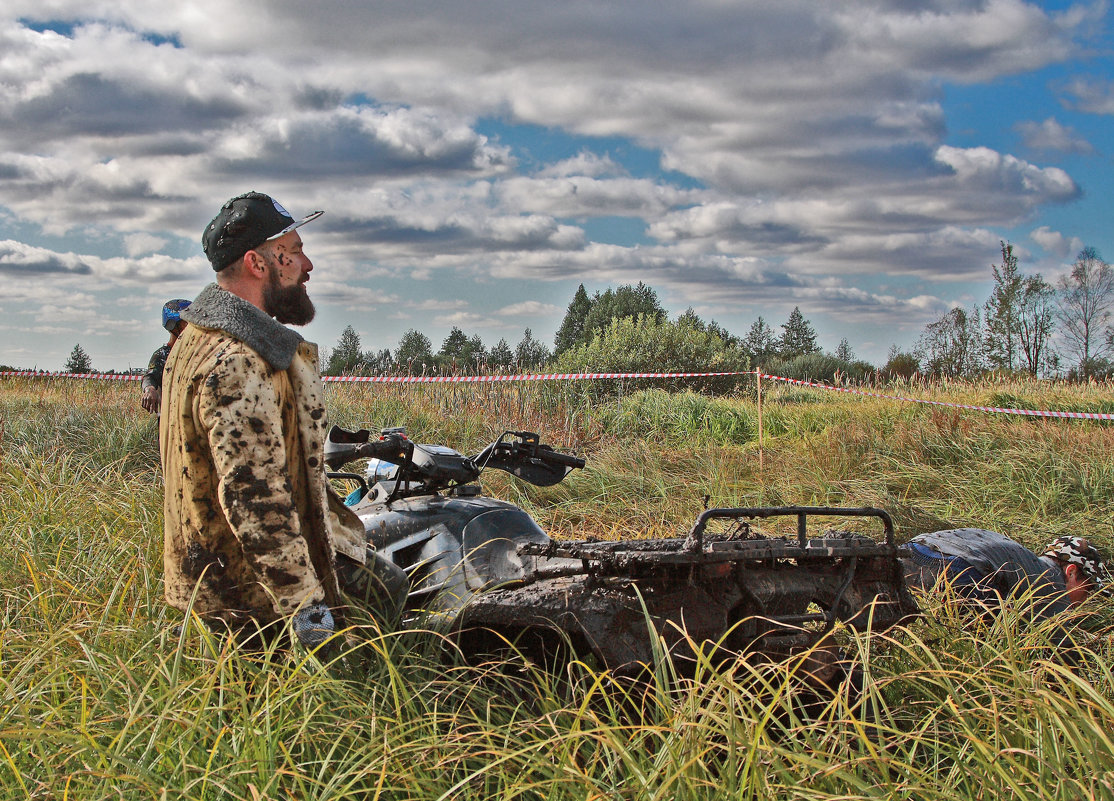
(646, 344)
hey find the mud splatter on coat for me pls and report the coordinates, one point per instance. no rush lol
(250, 520)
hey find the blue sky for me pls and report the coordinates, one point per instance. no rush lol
(476, 162)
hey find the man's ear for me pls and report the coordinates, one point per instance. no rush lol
(254, 264)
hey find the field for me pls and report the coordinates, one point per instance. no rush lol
(102, 697)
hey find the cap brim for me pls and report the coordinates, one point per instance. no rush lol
(301, 222)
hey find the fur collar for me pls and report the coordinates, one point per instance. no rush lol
(217, 308)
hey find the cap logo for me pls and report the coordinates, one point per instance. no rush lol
(281, 210)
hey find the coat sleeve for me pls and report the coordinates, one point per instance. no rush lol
(155, 367)
(239, 409)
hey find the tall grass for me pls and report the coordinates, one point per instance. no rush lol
(100, 696)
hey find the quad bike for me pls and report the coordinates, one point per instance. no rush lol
(485, 568)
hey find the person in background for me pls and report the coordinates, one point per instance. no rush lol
(152, 380)
(988, 567)
(254, 536)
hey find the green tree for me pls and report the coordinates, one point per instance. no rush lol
(844, 352)
(1002, 309)
(759, 342)
(618, 304)
(797, 336)
(530, 352)
(1084, 301)
(379, 361)
(454, 348)
(346, 358)
(414, 352)
(79, 361)
(693, 320)
(900, 364)
(571, 331)
(501, 354)
(475, 352)
(460, 351)
(649, 344)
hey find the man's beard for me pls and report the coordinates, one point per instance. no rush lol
(287, 304)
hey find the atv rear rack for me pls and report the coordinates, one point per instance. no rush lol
(744, 588)
(698, 548)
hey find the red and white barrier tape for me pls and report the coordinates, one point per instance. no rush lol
(91, 376)
(410, 379)
(995, 409)
(488, 379)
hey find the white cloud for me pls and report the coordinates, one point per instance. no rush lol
(18, 260)
(815, 132)
(1051, 135)
(1093, 95)
(439, 305)
(1056, 243)
(584, 163)
(138, 244)
(579, 196)
(528, 308)
(466, 320)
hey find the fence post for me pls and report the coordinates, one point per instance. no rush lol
(761, 456)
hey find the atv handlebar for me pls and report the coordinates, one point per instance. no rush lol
(520, 453)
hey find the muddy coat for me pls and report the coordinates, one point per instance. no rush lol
(251, 524)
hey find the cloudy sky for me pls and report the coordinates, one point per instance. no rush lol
(860, 159)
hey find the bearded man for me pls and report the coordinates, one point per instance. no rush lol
(253, 532)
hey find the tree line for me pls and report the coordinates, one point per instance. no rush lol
(619, 329)
(1026, 325)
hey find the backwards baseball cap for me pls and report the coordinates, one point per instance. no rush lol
(1077, 551)
(172, 313)
(244, 223)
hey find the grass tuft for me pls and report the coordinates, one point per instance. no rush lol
(100, 696)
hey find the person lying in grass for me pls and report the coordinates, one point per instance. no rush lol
(988, 567)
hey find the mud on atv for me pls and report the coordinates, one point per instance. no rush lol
(487, 570)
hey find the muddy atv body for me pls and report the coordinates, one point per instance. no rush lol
(490, 574)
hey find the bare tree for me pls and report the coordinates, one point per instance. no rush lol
(952, 346)
(1035, 321)
(844, 352)
(1084, 300)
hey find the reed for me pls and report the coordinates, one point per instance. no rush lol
(100, 697)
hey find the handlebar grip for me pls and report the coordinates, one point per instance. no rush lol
(560, 458)
(391, 448)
